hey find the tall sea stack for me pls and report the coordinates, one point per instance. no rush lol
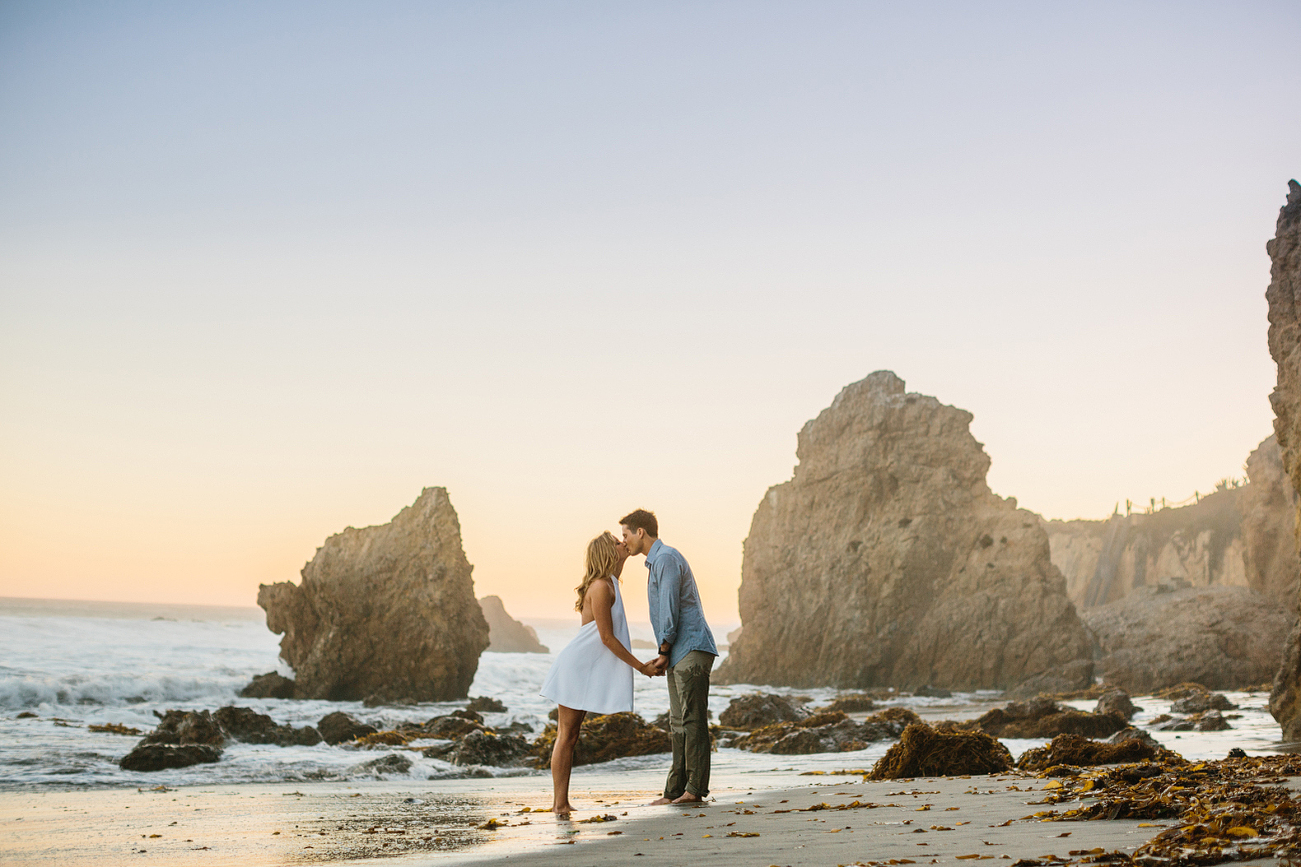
(887, 561)
(384, 613)
(1284, 297)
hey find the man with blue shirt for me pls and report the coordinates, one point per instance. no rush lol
(686, 655)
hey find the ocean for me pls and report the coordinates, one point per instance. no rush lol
(77, 664)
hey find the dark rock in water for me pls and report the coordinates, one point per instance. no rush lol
(1116, 701)
(1223, 637)
(1044, 718)
(826, 732)
(159, 757)
(1237, 753)
(246, 724)
(386, 612)
(378, 700)
(487, 748)
(1080, 752)
(273, 684)
(924, 752)
(1133, 733)
(929, 691)
(606, 737)
(887, 560)
(1202, 702)
(1206, 721)
(338, 727)
(750, 712)
(26, 715)
(186, 727)
(1072, 677)
(391, 764)
(856, 703)
(455, 725)
(484, 704)
(505, 633)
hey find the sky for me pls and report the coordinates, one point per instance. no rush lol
(269, 269)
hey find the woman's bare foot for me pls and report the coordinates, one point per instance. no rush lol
(688, 798)
(660, 802)
(563, 811)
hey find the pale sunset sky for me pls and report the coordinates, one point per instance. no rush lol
(269, 269)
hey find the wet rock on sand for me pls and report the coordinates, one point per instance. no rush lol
(1044, 718)
(159, 757)
(339, 727)
(1203, 701)
(489, 748)
(1081, 751)
(1116, 701)
(1205, 721)
(750, 712)
(925, 752)
(391, 764)
(186, 727)
(606, 737)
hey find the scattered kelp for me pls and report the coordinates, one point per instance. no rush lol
(925, 752)
(1225, 810)
(1081, 751)
(387, 739)
(115, 729)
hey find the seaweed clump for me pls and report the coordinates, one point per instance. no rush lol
(925, 752)
(1081, 751)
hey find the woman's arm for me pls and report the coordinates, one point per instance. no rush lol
(602, 596)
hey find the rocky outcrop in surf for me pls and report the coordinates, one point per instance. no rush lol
(385, 613)
(887, 560)
(1222, 637)
(1284, 297)
(505, 633)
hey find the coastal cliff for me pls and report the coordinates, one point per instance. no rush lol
(1284, 297)
(384, 613)
(887, 561)
(505, 633)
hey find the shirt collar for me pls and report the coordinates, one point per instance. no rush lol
(653, 552)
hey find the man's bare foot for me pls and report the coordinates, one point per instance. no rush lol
(688, 798)
(660, 802)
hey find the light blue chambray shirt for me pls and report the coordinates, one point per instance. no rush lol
(675, 611)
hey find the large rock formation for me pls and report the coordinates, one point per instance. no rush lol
(505, 633)
(887, 560)
(1221, 637)
(1284, 297)
(383, 612)
(1234, 537)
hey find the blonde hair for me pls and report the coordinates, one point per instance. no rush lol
(601, 557)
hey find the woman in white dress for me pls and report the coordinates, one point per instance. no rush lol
(594, 671)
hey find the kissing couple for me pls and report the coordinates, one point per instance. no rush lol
(594, 671)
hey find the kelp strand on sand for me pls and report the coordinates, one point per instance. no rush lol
(1075, 750)
(925, 752)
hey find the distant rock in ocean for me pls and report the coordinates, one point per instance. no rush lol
(505, 633)
(887, 561)
(1221, 637)
(1284, 297)
(386, 613)
(1236, 537)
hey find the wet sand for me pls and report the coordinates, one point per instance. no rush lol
(945, 820)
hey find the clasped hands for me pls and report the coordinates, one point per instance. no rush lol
(656, 667)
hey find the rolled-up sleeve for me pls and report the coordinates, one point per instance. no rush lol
(670, 593)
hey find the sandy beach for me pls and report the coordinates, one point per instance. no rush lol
(835, 819)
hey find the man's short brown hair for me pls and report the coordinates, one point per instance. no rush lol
(642, 520)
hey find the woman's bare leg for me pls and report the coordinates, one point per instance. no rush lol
(562, 757)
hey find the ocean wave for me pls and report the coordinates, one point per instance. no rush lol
(32, 692)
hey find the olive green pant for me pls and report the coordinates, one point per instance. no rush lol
(689, 725)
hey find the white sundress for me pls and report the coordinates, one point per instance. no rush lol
(587, 675)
